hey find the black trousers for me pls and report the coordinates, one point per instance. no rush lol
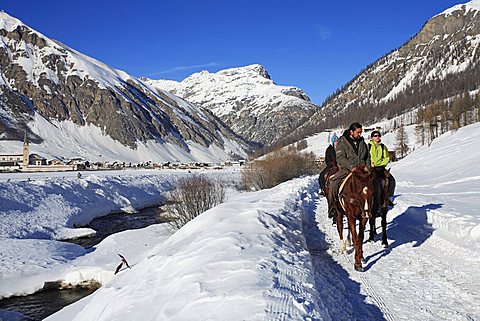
(378, 185)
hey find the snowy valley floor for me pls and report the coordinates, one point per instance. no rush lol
(273, 255)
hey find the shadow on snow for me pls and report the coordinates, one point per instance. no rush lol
(409, 227)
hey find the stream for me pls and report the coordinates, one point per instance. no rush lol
(52, 298)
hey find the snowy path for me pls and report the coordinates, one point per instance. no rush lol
(420, 276)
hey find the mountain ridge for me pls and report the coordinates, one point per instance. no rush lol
(40, 75)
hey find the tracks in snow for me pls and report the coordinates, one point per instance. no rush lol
(372, 293)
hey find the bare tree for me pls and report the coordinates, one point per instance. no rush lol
(193, 196)
(302, 144)
(277, 167)
(402, 141)
(420, 127)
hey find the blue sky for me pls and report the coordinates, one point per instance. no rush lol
(315, 45)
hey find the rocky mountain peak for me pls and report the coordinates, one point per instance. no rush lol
(7, 22)
(250, 70)
(246, 99)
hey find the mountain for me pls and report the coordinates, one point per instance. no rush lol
(246, 99)
(51, 90)
(441, 61)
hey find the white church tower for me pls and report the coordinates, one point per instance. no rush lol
(26, 151)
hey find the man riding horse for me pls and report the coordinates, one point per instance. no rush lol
(350, 152)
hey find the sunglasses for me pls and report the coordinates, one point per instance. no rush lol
(377, 136)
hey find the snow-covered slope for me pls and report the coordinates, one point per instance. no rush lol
(44, 79)
(441, 61)
(246, 99)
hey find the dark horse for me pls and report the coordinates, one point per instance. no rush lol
(381, 197)
(355, 201)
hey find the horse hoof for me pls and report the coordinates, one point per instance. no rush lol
(371, 241)
(358, 268)
(385, 244)
(363, 260)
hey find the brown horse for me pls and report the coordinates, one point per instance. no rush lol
(355, 201)
(381, 198)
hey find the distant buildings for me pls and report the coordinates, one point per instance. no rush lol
(27, 162)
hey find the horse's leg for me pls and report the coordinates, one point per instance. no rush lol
(373, 229)
(357, 243)
(384, 227)
(343, 243)
(361, 232)
(348, 242)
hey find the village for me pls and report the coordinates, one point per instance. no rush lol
(32, 162)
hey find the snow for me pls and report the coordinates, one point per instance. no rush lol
(39, 209)
(78, 64)
(222, 91)
(473, 5)
(8, 22)
(66, 139)
(403, 83)
(264, 255)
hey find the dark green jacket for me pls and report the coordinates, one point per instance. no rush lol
(348, 156)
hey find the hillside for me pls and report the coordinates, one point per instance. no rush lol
(437, 64)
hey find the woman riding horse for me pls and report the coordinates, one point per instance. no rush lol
(384, 184)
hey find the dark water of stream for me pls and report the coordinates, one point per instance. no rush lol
(119, 222)
(40, 305)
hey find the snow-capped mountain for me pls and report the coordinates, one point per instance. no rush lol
(246, 99)
(442, 60)
(51, 90)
